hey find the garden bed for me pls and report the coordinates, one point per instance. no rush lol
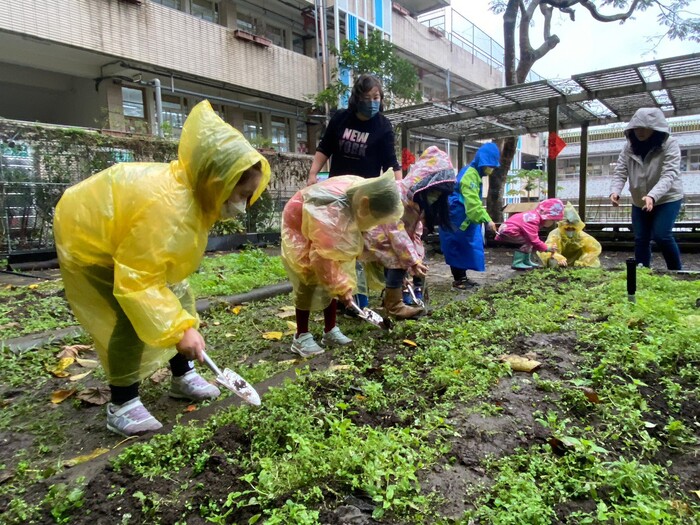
(428, 423)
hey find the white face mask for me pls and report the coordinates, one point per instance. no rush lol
(231, 209)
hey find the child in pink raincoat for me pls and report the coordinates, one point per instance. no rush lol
(322, 227)
(524, 228)
(397, 247)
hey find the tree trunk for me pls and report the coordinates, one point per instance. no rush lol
(497, 181)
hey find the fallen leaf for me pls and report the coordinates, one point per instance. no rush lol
(190, 408)
(95, 395)
(691, 320)
(408, 342)
(160, 375)
(33, 286)
(696, 492)
(78, 377)
(519, 363)
(59, 396)
(680, 507)
(229, 334)
(530, 355)
(237, 309)
(216, 323)
(4, 476)
(290, 332)
(590, 394)
(288, 308)
(87, 363)
(73, 350)
(288, 362)
(85, 457)
(360, 397)
(275, 336)
(648, 424)
(337, 368)
(9, 325)
(291, 325)
(60, 369)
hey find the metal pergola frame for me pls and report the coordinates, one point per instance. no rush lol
(589, 99)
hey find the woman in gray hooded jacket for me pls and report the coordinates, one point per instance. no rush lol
(651, 162)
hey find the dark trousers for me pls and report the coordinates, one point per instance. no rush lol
(656, 225)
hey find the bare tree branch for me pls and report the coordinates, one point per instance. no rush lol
(593, 10)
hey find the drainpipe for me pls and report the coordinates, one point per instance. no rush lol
(159, 107)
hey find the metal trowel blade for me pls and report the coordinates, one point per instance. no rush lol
(239, 386)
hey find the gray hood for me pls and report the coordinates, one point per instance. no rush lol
(651, 118)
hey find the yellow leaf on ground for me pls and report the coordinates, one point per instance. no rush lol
(287, 362)
(287, 308)
(520, 364)
(216, 323)
(87, 363)
(78, 377)
(60, 369)
(9, 325)
(237, 309)
(33, 286)
(274, 336)
(85, 457)
(73, 350)
(290, 332)
(338, 368)
(590, 394)
(696, 492)
(58, 396)
(160, 375)
(95, 396)
(229, 334)
(291, 325)
(408, 342)
(284, 315)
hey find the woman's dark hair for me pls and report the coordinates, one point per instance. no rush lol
(642, 147)
(364, 85)
(437, 213)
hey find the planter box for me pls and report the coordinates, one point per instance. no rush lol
(250, 37)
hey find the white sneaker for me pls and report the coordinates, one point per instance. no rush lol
(131, 419)
(335, 337)
(194, 387)
(305, 346)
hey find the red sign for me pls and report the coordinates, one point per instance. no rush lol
(556, 144)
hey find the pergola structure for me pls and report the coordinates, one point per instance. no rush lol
(590, 99)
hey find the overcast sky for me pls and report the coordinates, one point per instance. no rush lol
(587, 45)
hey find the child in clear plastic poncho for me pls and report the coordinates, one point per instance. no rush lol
(523, 229)
(127, 239)
(322, 229)
(574, 246)
(396, 248)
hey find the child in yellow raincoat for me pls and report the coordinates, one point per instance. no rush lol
(322, 228)
(128, 237)
(574, 246)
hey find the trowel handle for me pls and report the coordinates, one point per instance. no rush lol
(211, 364)
(357, 309)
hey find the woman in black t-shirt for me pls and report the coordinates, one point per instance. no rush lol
(359, 140)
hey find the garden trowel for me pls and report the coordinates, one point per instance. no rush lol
(371, 316)
(233, 382)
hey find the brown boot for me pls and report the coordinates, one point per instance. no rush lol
(394, 305)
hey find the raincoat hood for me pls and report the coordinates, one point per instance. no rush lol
(486, 156)
(651, 118)
(572, 221)
(550, 210)
(214, 155)
(433, 170)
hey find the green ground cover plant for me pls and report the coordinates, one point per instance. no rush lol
(427, 423)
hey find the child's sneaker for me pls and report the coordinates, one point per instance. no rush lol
(131, 419)
(194, 387)
(305, 346)
(335, 337)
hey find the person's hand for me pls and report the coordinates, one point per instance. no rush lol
(648, 203)
(492, 226)
(562, 261)
(552, 249)
(615, 199)
(192, 345)
(346, 298)
(419, 269)
(313, 179)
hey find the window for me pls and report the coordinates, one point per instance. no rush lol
(276, 34)
(246, 23)
(206, 10)
(302, 138)
(693, 161)
(298, 44)
(252, 127)
(132, 103)
(175, 4)
(174, 111)
(280, 134)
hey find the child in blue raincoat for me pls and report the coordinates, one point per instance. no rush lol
(463, 247)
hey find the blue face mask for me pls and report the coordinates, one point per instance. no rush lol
(368, 109)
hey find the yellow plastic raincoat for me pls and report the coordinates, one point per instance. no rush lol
(321, 238)
(129, 236)
(574, 246)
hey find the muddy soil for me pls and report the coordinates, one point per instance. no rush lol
(455, 479)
